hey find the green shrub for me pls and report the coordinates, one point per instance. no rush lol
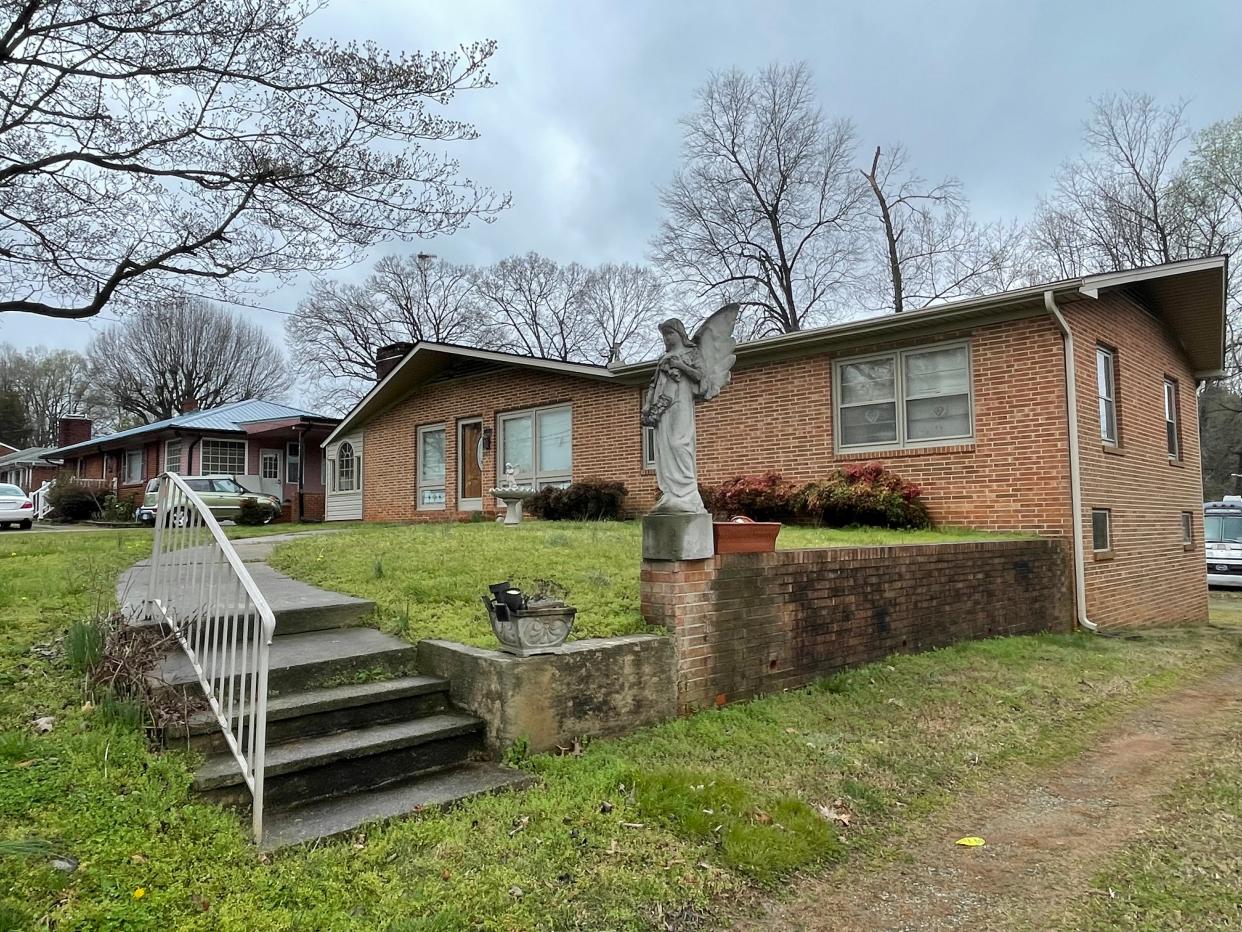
(73, 501)
(587, 500)
(254, 512)
(767, 497)
(84, 645)
(866, 494)
(116, 509)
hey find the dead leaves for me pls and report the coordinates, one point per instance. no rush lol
(836, 812)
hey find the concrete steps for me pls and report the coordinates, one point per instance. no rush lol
(354, 733)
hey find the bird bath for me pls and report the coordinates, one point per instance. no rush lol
(513, 499)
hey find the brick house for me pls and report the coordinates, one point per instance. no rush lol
(971, 399)
(272, 447)
(27, 468)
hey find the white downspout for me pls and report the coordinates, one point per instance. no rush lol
(1071, 401)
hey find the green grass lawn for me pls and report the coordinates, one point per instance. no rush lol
(675, 821)
(427, 579)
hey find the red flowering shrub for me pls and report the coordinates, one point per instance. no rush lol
(768, 497)
(865, 494)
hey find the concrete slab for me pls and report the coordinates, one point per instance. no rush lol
(336, 816)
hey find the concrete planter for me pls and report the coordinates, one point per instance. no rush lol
(539, 628)
(742, 535)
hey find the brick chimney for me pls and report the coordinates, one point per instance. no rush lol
(189, 404)
(387, 357)
(73, 429)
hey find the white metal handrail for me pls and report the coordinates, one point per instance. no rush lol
(201, 589)
(39, 499)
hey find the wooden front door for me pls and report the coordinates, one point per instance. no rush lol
(470, 466)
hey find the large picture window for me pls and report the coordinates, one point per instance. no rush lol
(224, 457)
(1106, 388)
(133, 467)
(909, 398)
(539, 445)
(431, 467)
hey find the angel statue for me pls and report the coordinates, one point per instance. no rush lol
(690, 370)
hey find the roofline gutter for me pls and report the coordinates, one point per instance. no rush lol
(1071, 405)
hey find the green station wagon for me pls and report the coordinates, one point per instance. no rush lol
(222, 494)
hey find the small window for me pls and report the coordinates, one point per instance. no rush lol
(1101, 530)
(431, 471)
(1171, 424)
(1106, 387)
(1188, 529)
(172, 456)
(347, 468)
(648, 439)
(133, 467)
(293, 463)
(269, 464)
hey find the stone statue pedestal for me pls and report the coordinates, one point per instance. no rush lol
(677, 537)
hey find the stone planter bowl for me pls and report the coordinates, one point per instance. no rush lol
(540, 628)
(742, 535)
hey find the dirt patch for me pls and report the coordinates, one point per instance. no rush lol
(1045, 838)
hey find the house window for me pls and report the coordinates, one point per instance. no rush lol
(1188, 529)
(269, 464)
(648, 442)
(223, 457)
(1106, 388)
(348, 467)
(539, 445)
(1171, 424)
(1101, 530)
(172, 456)
(293, 463)
(431, 467)
(133, 467)
(911, 398)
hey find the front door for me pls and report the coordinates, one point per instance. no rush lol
(470, 466)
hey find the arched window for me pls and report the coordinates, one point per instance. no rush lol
(346, 468)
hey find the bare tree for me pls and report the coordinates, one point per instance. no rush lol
(625, 302)
(338, 327)
(147, 143)
(159, 358)
(49, 384)
(537, 305)
(1148, 190)
(927, 246)
(764, 208)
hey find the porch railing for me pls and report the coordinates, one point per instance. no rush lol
(200, 588)
(39, 498)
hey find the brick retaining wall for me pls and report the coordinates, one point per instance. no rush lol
(748, 624)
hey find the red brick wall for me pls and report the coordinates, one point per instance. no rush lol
(1149, 576)
(748, 624)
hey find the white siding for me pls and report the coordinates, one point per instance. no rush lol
(344, 506)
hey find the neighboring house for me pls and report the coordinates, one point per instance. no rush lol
(28, 468)
(969, 399)
(7, 448)
(273, 447)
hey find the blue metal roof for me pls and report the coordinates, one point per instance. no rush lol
(228, 417)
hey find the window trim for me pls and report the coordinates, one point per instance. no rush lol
(126, 479)
(646, 439)
(419, 485)
(537, 477)
(292, 445)
(265, 454)
(900, 399)
(202, 455)
(1107, 352)
(1108, 531)
(180, 454)
(1188, 530)
(1170, 398)
(355, 478)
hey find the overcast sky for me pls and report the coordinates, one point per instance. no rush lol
(582, 127)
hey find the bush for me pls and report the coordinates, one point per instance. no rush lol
(116, 509)
(254, 512)
(588, 500)
(768, 497)
(866, 494)
(73, 501)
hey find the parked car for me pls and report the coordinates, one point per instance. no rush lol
(222, 494)
(15, 507)
(1222, 535)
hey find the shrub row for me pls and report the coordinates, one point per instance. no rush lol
(857, 494)
(586, 500)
